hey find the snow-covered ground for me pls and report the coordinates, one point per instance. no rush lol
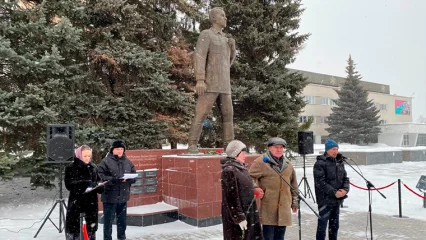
(374, 147)
(23, 210)
(380, 176)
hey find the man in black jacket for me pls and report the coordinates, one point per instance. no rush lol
(331, 187)
(117, 190)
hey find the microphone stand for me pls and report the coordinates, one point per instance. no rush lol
(300, 198)
(370, 186)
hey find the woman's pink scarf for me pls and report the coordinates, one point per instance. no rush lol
(78, 154)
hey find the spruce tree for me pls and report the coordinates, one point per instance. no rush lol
(39, 73)
(267, 96)
(128, 47)
(101, 66)
(355, 118)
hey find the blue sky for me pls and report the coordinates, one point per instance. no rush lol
(386, 38)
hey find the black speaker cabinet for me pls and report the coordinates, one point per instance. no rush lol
(305, 141)
(60, 143)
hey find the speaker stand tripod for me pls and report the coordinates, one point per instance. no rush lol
(307, 189)
(62, 207)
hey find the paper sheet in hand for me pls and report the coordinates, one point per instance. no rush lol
(89, 189)
(129, 176)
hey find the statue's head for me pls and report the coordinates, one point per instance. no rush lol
(217, 16)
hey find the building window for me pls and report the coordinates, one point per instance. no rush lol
(421, 140)
(309, 99)
(303, 119)
(406, 140)
(324, 119)
(381, 107)
(327, 101)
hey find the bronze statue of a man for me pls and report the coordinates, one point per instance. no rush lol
(214, 55)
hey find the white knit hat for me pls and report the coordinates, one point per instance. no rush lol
(234, 148)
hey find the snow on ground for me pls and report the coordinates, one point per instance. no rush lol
(21, 208)
(381, 175)
(373, 147)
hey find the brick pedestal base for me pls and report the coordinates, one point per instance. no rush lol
(192, 183)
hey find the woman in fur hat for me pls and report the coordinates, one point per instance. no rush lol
(239, 212)
(80, 175)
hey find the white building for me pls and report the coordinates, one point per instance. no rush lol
(320, 92)
(403, 134)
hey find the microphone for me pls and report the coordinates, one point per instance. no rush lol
(343, 158)
(267, 160)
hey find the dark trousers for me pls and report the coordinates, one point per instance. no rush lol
(271, 232)
(119, 211)
(330, 215)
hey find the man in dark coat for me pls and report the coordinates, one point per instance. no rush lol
(80, 175)
(117, 190)
(240, 217)
(331, 187)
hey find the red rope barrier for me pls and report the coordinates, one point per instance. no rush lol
(411, 190)
(380, 188)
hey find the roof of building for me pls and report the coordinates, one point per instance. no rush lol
(335, 81)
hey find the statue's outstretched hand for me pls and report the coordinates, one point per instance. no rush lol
(200, 87)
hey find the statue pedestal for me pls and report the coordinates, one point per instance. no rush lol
(189, 182)
(192, 183)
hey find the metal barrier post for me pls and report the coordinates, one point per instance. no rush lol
(399, 198)
(399, 201)
(424, 200)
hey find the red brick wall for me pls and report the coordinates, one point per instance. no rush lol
(192, 183)
(149, 159)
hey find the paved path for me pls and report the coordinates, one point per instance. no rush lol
(353, 227)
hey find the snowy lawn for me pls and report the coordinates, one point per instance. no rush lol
(381, 175)
(24, 211)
